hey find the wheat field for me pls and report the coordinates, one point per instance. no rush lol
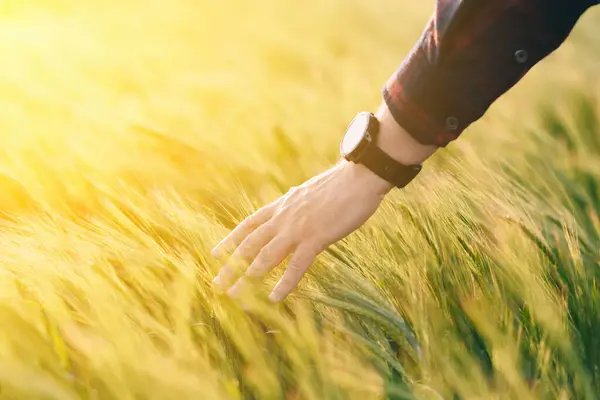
(136, 134)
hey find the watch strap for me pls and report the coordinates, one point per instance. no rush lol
(387, 167)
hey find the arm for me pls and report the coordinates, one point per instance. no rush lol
(471, 52)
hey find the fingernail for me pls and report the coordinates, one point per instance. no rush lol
(214, 252)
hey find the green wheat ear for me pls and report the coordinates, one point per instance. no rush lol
(394, 325)
(408, 213)
(535, 239)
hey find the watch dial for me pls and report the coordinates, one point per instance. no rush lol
(355, 133)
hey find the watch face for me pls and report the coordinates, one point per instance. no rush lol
(355, 133)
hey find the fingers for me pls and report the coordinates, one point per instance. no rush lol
(269, 257)
(245, 252)
(303, 258)
(235, 237)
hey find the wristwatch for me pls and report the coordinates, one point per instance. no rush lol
(359, 146)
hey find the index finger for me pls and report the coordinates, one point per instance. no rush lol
(246, 227)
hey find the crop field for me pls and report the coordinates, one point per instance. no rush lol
(136, 134)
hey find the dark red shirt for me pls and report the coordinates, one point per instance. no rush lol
(472, 52)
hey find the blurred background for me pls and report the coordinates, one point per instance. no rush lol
(136, 133)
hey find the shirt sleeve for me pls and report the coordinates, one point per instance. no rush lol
(472, 52)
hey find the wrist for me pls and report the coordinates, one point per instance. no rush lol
(366, 179)
(398, 143)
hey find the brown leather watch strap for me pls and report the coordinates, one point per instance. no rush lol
(386, 167)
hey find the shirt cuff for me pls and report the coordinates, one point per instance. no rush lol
(418, 120)
(426, 99)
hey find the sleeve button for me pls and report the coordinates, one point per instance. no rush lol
(521, 56)
(452, 123)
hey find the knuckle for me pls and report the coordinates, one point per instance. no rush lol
(256, 271)
(317, 247)
(295, 268)
(286, 197)
(290, 195)
(247, 244)
(265, 256)
(316, 244)
(280, 220)
(251, 221)
(245, 252)
(283, 206)
(276, 219)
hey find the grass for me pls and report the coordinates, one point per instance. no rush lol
(135, 134)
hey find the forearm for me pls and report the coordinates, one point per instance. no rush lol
(471, 53)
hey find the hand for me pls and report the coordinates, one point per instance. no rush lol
(305, 221)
